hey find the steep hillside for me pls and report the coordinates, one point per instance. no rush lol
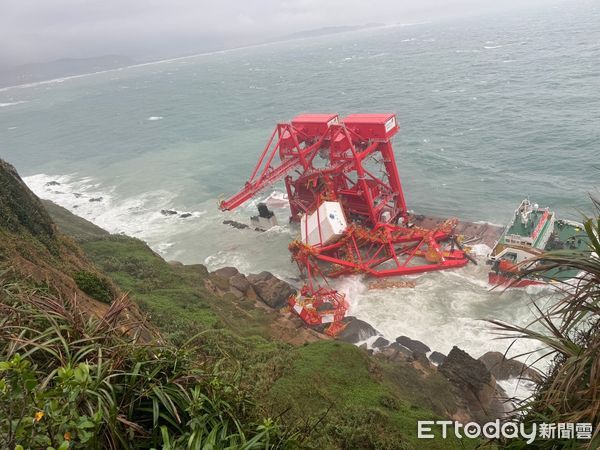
(32, 250)
(319, 393)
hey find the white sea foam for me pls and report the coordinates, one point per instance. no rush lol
(225, 258)
(4, 105)
(369, 341)
(139, 215)
(481, 250)
(518, 389)
(153, 118)
(276, 199)
(443, 310)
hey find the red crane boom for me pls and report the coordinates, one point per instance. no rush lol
(378, 240)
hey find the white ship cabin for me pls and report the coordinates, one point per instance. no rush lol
(530, 227)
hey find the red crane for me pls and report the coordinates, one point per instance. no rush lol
(342, 174)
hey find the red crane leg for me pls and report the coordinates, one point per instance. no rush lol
(373, 243)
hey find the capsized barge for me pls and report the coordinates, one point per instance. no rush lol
(532, 232)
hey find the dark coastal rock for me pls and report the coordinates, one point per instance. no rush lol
(474, 384)
(421, 359)
(185, 215)
(226, 272)
(234, 224)
(239, 282)
(270, 289)
(400, 348)
(503, 368)
(356, 330)
(220, 278)
(394, 353)
(96, 199)
(437, 357)
(168, 212)
(381, 342)
(52, 183)
(412, 344)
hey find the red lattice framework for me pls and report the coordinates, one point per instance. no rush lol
(350, 161)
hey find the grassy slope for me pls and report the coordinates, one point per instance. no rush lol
(371, 403)
(33, 252)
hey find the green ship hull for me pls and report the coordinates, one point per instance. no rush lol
(532, 232)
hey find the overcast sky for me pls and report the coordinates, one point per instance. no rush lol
(43, 30)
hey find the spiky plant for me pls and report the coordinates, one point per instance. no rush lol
(570, 332)
(71, 381)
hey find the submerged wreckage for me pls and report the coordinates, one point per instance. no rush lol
(344, 191)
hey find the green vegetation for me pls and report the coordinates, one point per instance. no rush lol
(67, 381)
(169, 364)
(72, 225)
(356, 401)
(327, 394)
(94, 286)
(175, 297)
(571, 390)
(21, 210)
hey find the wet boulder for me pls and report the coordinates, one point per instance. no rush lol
(226, 272)
(239, 282)
(270, 289)
(412, 344)
(381, 342)
(394, 353)
(220, 277)
(421, 359)
(356, 330)
(474, 385)
(400, 348)
(234, 224)
(437, 357)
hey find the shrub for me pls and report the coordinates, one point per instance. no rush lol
(94, 286)
(71, 381)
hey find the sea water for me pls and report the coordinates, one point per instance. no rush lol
(491, 108)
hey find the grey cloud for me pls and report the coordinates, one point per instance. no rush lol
(34, 30)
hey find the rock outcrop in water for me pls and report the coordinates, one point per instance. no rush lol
(505, 368)
(412, 344)
(356, 330)
(482, 399)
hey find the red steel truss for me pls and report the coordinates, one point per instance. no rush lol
(322, 158)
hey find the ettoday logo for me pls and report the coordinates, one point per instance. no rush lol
(507, 430)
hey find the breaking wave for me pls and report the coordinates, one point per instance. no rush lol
(149, 216)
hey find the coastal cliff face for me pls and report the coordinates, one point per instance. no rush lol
(352, 397)
(33, 250)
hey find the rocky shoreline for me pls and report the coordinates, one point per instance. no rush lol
(473, 381)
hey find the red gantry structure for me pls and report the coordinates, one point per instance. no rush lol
(344, 188)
